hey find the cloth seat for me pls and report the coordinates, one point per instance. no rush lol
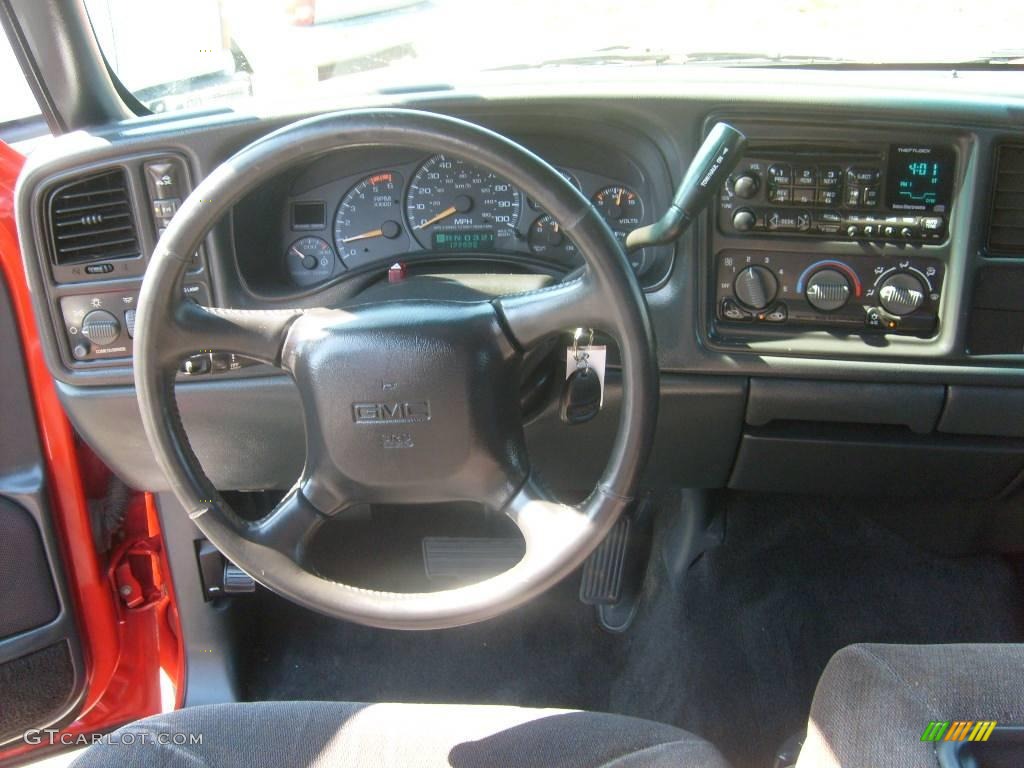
(873, 701)
(322, 734)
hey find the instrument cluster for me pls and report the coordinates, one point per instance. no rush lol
(441, 206)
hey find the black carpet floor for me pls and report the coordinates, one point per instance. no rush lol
(732, 654)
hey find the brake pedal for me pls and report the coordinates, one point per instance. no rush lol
(469, 559)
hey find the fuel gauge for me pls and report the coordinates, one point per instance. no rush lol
(547, 239)
(309, 261)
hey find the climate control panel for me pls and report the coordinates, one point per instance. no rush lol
(873, 294)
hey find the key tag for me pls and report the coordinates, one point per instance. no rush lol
(583, 394)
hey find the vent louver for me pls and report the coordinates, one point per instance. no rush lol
(91, 219)
(1006, 225)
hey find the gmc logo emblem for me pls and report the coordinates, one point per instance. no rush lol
(391, 413)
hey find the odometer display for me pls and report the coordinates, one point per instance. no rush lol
(450, 196)
(454, 240)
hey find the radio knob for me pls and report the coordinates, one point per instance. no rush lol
(746, 186)
(827, 290)
(100, 327)
(852, 230)
(901, 294)
(744, 220)
(756, 287)
(906, 232)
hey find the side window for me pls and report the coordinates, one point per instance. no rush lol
(19, 112)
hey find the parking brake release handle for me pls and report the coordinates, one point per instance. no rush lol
(714, 161)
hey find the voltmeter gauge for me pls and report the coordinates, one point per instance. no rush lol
(310, 261)
(621, 207)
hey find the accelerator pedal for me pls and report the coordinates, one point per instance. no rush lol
(601, 583)
(469, 559)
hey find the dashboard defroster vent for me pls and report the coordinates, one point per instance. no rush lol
(91, 219)
(1006, 225)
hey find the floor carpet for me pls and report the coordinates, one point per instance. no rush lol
(733, 653)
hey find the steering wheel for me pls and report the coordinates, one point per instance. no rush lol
(406, 401)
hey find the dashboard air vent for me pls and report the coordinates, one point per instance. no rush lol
(1006, 226)
(91, 219)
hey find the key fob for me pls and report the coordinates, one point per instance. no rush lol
(581, 396)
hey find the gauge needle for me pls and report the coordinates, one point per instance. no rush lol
(618, 198)
(442, 215)
(364, 236)
(298, 253)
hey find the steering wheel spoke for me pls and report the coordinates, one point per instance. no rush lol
(547, 525)
(258, 334)
(289, 527)
(533, 316)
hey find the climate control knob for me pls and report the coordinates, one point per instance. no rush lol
(901, 294)
(828, 290)
(744, 220)
(100, 327)
(746, 186)
(756, 286)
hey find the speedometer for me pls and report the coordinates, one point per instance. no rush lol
(453, 205)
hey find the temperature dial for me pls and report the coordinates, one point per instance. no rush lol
(828, 290)
(901, 294)
(756, 286)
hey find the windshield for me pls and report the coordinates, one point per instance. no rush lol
(210, 51)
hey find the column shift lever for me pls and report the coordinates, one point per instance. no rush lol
(714, 161)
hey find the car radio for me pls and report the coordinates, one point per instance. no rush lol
(893, 192)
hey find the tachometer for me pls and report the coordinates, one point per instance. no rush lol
(309, 261)
(453, 204)
(368, 224)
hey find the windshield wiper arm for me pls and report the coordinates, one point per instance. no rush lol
(627, 55)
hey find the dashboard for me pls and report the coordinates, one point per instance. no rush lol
(360, 211)
(846, 316)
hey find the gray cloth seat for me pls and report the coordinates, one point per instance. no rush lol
(321, 734)
(873, 702)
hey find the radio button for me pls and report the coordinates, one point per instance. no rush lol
(828, 197)
(803, 196)
(859, 176)
(779, 221)
(931, 223)
(806, 176)
(852, 197)
(780, 194)
(780, 174)
(803, 221)
(870, 197)
(746, 186)
(830, 176)
(744, 220)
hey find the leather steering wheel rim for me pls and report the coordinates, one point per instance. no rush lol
(558, 536)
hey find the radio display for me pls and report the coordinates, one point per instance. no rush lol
(920, 178)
